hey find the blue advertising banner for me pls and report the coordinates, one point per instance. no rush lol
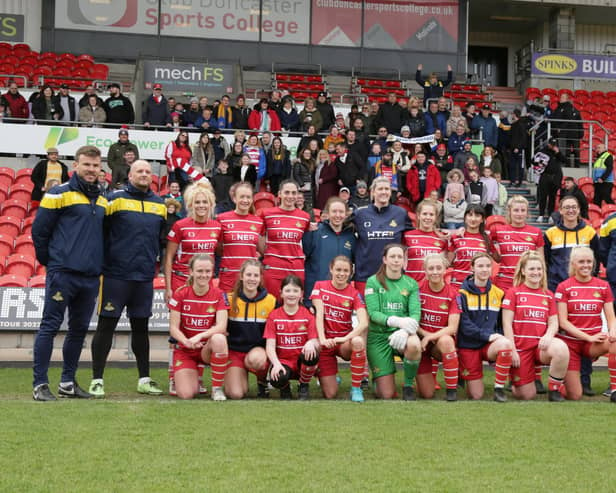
(572, 65)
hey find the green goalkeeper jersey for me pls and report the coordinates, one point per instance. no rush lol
(401, 298)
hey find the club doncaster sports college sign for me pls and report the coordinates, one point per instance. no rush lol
(566, 66)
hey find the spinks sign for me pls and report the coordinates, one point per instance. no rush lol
(563, 65)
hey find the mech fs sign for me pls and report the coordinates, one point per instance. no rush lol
(197, 78)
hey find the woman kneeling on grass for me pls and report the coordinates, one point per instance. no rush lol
(334, 302)
(437, 328)
(198, 322)
(393, 306)
(530, 322)
(292, 343)
(479, 335)
(581, 299)
(250, 307)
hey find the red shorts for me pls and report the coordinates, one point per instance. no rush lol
(236, 359)
(177, 281)
(272, 279)
(577, 350)
(425, 364)
(526, 372)
(186, 359)
(328, 364)
(471, 362)
(294, 365)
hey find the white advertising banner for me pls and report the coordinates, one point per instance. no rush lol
(280, 21)
(36, 139)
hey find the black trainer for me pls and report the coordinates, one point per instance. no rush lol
(42, 393)
(408, 394)
(262, 391)
(555, 396)
(539, 387)
(613, 396)
(588, 391)
(451, 395)
(365, 384)
(303, 392)
(499, 394)
(285, 393)
(73, 391)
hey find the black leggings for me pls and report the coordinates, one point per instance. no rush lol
(546, 193)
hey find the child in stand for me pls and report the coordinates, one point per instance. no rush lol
(490, 185)
(475, 191)
(455, 181)
(222, 181)
(375, 155)
(173, 210)
(292, 341)
(499, 208)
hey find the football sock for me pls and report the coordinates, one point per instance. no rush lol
(140, 344)
(306, 373)
(554, 383)
(503, 365)
(434, 367)
(410, 368)
(450, 369)
(538, 372)
(611, 364)
(358, 363)
(101, 344)
(218, 363)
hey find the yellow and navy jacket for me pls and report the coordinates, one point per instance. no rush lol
(480, 314)
(68, 229)
(607, 248)
(133, 226)
(247, 319)
(559, 240)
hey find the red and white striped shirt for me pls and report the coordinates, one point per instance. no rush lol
(193, 238)
(197, 313)
(436, 306)
(338, 306)
(240, 237)
(291, 332)
(531, 310)
(465, 246)
(283, 231)
(420, 244)
(585, 301)
(513, 242)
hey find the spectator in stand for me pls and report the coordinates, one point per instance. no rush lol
(603, 175)
(550, 161)
(90, 91)
(383, 138)
(416, 122)
(456, 141)
(68, 238)
(422, 178)
(45, 108)
(371, 119)
(4, 111)
(361, 197)
(132, 248)
(103, 184)
(222, 181)
(178, 156)
(122, 174)
(264, 118)
(241, 112)
(571, 188)
(461, 157)
(206, 122)
(434, 119)
(504, 141)
(266, 141)
(311, 116)
(302, 172)
(454, 120)
(191, 115)
(433, 87)
(46, 170)
(454, 207)
(176, 194)
(274, 102)
(17, 104)
(359, 148)
(340, 123)
(92, 114)
(570, 131)
(490, 186)
(70, 108)
(327, 112)
(176, 121)
(311, 134)
(443, 109)
(289, 118)
(203, 155)
(257, 159)
(325, 179)
(224, 113)
(174, 209)
(519, 145)
(115, 156)
(475, 191)
(469, 114)
(235, 156)
(118, 108)
(156, 110)
(489, 159)
(278, 160)
(350, 167)
(171, 104)
(220, 145)
(443, 162)
(374, 155)
(485, 123)
(239, 136)
(390, 114)
(352, 115)
(385, 167)
(364, 116)
(360, 132)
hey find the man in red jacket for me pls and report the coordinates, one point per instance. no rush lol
(18, 106)
(422, 178)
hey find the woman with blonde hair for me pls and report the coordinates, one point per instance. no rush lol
(456, 118)
(530, 322)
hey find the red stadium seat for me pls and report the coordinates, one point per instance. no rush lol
(404, 203)
(594, 212)
(159, 282)
(24, 245)
(26, 227)
(100, 71)
(608, 209)
(15, 208)
(10, 226)
(496, 219)
(588, 190)
(263, 200)
(582, 180)
(40, 269)
(6, 246)
(4, 192)
(21, 191)
(37, 281)
(13, 281)
(23, 175)
(2, 262)
(20, 265)
(7, 174)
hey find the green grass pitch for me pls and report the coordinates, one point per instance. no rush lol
(133, 443)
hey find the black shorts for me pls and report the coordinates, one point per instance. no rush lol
(115, 294)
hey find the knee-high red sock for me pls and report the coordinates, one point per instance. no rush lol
(450, 369)
(358, 362)
(554, 383)
(611, 364)
(261, 373)
(306, 373)
(503, 365)
(218, 363)
(538, 372)
(434, 367)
